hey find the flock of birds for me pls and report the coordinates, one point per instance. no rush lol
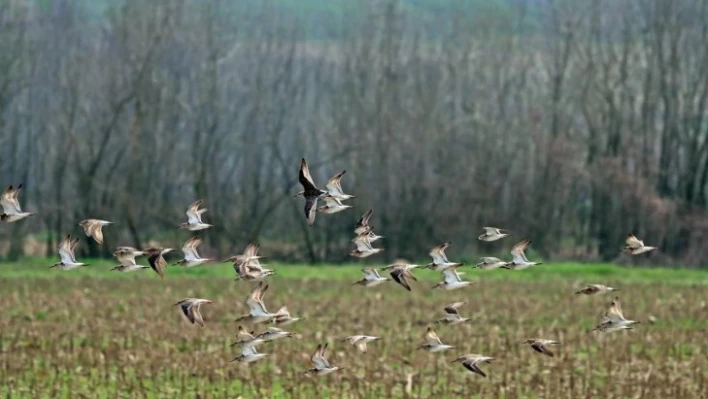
(248, 267)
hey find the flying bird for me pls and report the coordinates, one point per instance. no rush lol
(273, 333)
(472, 362)
(433, 343)
(194, 218)
(334, 187)
(191, 256)
(541, 345)
(614, 319)
(332, 205)
(126, 255)
(363, 247)
(452, 316)
(283, 317)
(595, 289)
(519, 261)
(320, 363)
(490, 262)
(371, 278)
(92, 228)
(258, 312)
(310, 192)
(249, 354)
(360, 341)
(11, 209)
(66, 253)
(401, 272)
(246, 339)
(362, 225)
(636, 246)
(452, 280)
(191, 309)
(493, 234)
(440, 261)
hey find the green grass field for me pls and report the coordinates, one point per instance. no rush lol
(92, 333)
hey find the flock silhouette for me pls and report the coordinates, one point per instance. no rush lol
(248, 267)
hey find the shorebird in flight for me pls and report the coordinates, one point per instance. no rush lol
(452, 280)
(490, 262)
(250, 254)
(636, 246)
(541, 345)
(190, 307)
(332, 205)
(66, 253)
(249, 354)
(310, 192)
(320, 363)
(371, 278)
(126, 255)
(440, 261)
(472, 362)
(11, 211)
(595, 289)
(614, 319)
(194, 218)
(452, 316)
(433, 343)
(258, 312)
(519, 261)
(363, 247)
(191, 256)
(493, 234)
(156, 259)
(283, 317)
(401, 272)
(247, 339)
(360, 341)
(92, 228)
(362, 225)
(334, 187)
(273, 333)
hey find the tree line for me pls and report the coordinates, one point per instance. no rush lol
(571, 123)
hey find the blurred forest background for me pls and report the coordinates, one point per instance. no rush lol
(571, 122)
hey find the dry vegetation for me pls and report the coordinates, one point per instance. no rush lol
(97, 337)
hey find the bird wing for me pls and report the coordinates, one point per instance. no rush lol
(517, 251)
(9, 202)
(491, 230)
(370, 273)
(364, 219)
(490, 260)
(472, 366)
(190, 248)
(438, 254)
(310, 209)
(186, 307)
(94, 230)
(334, 185)
(157, 263)
(614, 312)
(633, 242)
(193, 213)
(361, 345)
(65, 251)
(251, 250)
(317, 358)
(453, 308)
(362, 243)
(431, 338)
(248, 350)
(255, 301)
(451, 276)
(197, 314)
(399, 276)
(243, 334)
(331, 202)
(540, 347)
(305, 178)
